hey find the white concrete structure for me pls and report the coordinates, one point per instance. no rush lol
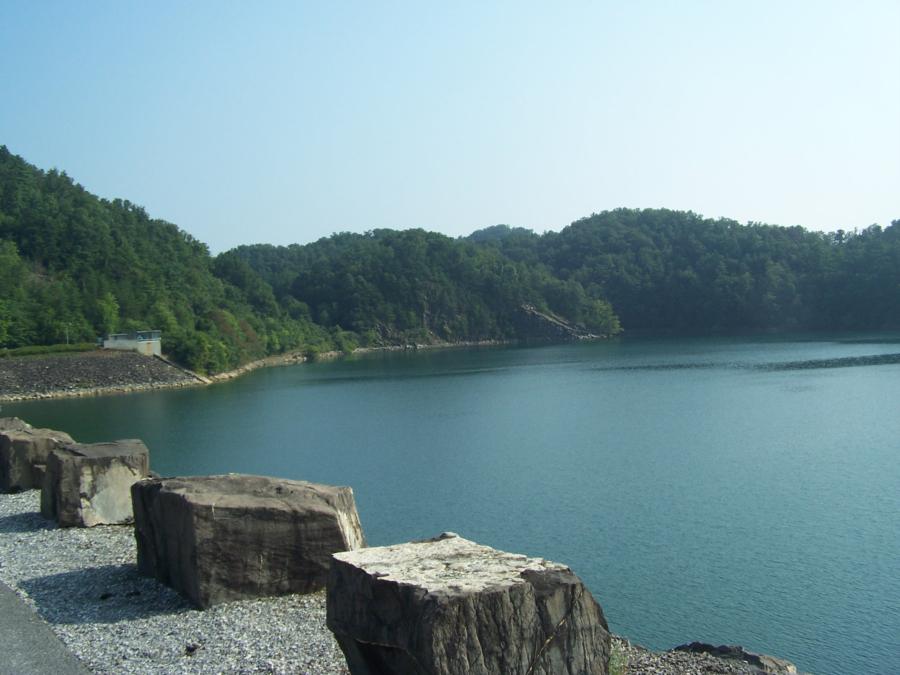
(146, 342)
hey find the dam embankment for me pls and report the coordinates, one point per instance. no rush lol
(87, 374)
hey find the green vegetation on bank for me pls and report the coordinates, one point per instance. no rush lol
(74, 266)
(40, 350)
(618, 660)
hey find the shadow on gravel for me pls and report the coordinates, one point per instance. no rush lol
(25, 522)
(104, 594)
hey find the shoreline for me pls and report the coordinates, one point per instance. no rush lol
(94, 373)
(84, 583)
(94, 391)
(192, 379)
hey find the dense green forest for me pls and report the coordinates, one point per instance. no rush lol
(389, 287)
(676, 272)
(74, 266)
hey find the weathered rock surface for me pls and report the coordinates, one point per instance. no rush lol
(89, 484)
(13, 424)
(633, 659)
(220, 538)
(762, 662)
(38, 473)
(23, 449)
(451, 606)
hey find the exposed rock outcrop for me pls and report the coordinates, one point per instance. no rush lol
(633, 659)
(90, 484)
(450, 606)
(220, 538)
(13, 424)
(24, 452)
(535, 324)
(762, 662)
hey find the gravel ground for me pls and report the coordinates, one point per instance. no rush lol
(84, 582)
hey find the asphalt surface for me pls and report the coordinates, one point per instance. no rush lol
(28, 646)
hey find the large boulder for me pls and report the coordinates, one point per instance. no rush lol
(24, 451)
(89, 484)
(451, 606)
(220, 538)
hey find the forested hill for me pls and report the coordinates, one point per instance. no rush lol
(676, 272)
(391, 286)
(75, 266)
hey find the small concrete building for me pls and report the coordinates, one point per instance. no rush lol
(146, 342)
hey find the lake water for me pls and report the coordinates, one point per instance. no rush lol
(723, 490)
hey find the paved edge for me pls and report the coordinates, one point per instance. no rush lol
(30, 647)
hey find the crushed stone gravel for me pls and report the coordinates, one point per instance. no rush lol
(86, 374)
(85, 583)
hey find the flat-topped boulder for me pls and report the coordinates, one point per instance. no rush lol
(230, 537)
(451, 606)
(24, 452)
(89, 484)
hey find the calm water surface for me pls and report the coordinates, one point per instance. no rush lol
(730, 491)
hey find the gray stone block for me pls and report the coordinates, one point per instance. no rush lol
(451, 606)
(21, 448)
(39, 473)
(89, 484)
(13, 424)
(220, 538)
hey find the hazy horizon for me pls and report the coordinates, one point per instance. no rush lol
(283, 123)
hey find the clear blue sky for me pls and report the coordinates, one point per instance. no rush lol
(284, 122)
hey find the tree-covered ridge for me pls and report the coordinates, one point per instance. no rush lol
(392, 286)
(673, 271)
(73, 266)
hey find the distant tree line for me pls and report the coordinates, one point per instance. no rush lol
(389, 287)
(676, 272)
(74, 266)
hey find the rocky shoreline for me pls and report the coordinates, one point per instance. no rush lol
(88, 374)
(102, 372)
(85, 584)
